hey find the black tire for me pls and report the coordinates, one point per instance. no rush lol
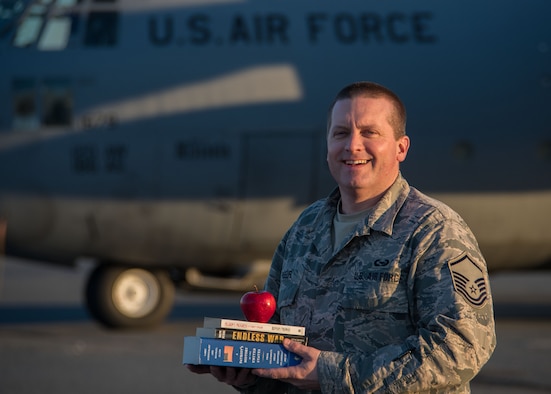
(123, 297)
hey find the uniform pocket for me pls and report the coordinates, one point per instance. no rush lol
(375, 312)
(375, 294)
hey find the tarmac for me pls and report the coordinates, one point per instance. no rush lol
(49, 344)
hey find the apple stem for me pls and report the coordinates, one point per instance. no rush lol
(255, 288)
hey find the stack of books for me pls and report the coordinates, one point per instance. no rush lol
(240, 343)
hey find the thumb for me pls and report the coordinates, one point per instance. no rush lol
(295, 347)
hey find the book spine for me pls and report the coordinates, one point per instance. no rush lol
(221, 352)
(250, 336)
(253, 326)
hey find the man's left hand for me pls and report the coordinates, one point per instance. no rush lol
(304, 375)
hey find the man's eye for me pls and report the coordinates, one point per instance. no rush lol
(340, 133)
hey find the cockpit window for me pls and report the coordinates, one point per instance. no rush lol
(28, 31)
(55, 35)
(10, 10)
(46, 103)
(51, 25)
(101, 28)
(57, 103)
(46, 23)
(25, 110)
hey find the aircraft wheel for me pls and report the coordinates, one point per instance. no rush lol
(120, 297)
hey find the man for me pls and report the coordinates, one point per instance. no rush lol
(390, 284)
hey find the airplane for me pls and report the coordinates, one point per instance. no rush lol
(173, 142)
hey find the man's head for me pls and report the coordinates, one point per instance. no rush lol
(366, 143)
(374, 90)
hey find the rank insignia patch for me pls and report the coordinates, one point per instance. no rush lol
(469, 281)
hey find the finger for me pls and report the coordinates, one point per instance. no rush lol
(273, 373)
(200, 369)
(307, 353)
(244, 377)
(218, 372)
(231, 373)
(242, 373)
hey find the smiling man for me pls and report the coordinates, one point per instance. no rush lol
(389, 283)
(366, 143)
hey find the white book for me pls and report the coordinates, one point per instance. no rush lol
(215, 322)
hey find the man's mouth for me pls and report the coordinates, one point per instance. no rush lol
(355, 162)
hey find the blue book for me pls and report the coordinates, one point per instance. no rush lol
(224, 352)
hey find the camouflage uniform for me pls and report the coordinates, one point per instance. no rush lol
(403, 305)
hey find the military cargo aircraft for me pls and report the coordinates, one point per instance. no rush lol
(173, 142)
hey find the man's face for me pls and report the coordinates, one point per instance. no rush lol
(362, 151)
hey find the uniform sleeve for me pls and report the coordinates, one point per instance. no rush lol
(451, 308)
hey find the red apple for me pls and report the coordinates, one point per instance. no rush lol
(258, 306)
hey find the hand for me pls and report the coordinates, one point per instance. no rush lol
(238, 377)
(304, 375)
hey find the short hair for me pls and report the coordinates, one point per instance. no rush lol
(374, 90)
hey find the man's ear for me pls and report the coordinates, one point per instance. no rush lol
(402, 148)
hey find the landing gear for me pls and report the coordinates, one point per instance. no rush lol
(122, 297)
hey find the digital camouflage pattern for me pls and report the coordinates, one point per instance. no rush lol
(404, 305)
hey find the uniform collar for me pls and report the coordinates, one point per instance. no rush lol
(389, 205)
(384, 213)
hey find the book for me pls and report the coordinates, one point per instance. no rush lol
(214, 322)
(229, 353)
(251, 336)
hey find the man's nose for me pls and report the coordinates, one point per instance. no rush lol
(354, 142)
